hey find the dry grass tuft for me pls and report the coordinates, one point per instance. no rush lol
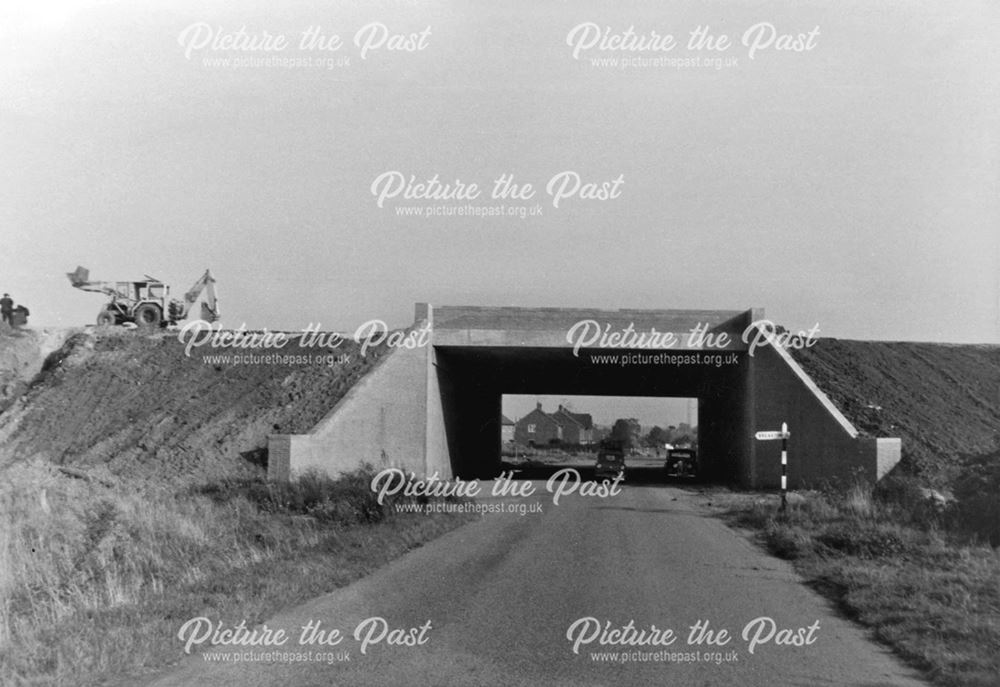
(94, 581)
(927, 584)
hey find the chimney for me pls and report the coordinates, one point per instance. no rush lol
(560, 407)
(538, 406)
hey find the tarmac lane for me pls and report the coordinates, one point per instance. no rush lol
(640, 588)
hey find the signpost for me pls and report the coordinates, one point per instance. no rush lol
(783, 435)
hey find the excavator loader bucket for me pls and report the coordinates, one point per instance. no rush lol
(79, 276)
(207, 314)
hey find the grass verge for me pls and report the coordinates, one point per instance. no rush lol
(96, 581)
(929, 592)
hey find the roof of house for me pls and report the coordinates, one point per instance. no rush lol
(561, 417)
(583, 419)
(537, 415)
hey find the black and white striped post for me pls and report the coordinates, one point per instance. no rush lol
(783, 435)
(784, 467)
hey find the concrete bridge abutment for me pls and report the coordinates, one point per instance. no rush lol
(435, 409)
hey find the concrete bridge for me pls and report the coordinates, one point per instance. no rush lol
(436, 408)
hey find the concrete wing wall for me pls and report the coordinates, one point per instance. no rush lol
(824, 446)
(382, 421)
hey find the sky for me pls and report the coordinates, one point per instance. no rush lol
(854, 185)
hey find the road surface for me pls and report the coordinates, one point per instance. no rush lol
(502, 593)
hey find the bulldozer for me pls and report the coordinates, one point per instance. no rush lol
(147, 303)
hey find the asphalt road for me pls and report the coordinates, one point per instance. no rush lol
(502, 592)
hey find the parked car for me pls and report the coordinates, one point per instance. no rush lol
(682, 462)
(610, 460)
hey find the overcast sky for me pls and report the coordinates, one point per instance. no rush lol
(855, 184)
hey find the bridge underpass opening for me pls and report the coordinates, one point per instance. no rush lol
(543, 434)
(473, 382)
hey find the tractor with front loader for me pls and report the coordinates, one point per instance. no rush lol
(147, 303)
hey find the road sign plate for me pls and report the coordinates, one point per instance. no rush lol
(767, 436)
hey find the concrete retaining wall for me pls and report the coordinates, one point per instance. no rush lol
(824, 447)
(383, 420)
